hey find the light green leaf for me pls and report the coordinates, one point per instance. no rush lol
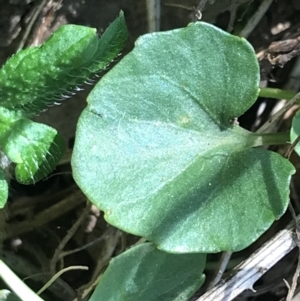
(36, 149)
(157, 149)
(145, 273)
(3, 188)
(36, 77)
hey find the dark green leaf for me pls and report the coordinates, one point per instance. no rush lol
(145, 273)
(157, 149)
(295, 131)
(36, 77)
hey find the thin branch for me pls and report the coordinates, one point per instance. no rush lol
(36, 13)
(248, 272)
(153, 14)
(198, 11)
(221, 268)
(189, 8)
(58, 274)
(69, 235)
(254, 20)
(68, 203)
(105, 255)
(276, 117)
(102, 237)
(291, 148)
(201, 5)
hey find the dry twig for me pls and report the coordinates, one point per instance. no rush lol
(254, 20)
(69, 235)
(248, 272)
(153, 14)
(292, 288)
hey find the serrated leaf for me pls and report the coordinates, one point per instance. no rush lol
(157, 149)
(36, 77)
(145, 273)
(36, 149)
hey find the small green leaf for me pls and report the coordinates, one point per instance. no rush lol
(157, 150)
(36, 77)
(145, 273)
(295, 131)
(36, 149)
(3, 189)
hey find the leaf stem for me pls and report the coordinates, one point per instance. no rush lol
(17, 285)
(270, 139)
(276, 93)
(277, 116)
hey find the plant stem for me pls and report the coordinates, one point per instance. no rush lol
(153, 14)
(271, 139)
(277, 116)
(17, 285)
(58, 274)
(223, 264)
(254, 20)
(276, 93)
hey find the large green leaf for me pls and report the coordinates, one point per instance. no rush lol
(36, 149)
(157, 149)
(39, 76)
(145, 273)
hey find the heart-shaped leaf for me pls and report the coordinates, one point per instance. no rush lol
(157, 148)
(36, 77)
(145, 273)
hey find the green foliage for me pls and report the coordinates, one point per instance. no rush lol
(295, 131)
(3, 189)
(158, 151)
(35, 148)
(37, 77)
(145, 273)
